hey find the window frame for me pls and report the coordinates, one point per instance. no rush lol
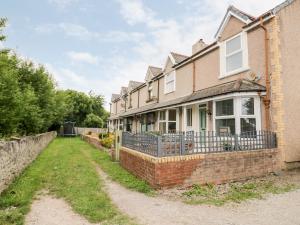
(189, 125)
(166, 82)
(237, 112)
(167, 121)
(150, 91)
(224, 56)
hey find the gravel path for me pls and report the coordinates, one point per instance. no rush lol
(282, 209)
(48, 210)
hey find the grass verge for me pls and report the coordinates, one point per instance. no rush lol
(119, 174)
(65, 172)
(235, 192)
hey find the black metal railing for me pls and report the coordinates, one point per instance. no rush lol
(185, 143)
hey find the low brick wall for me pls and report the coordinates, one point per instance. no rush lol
(94, 140)
(200, 168)
(16, 155)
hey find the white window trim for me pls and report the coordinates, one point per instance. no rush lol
(186, 118)
(244, 46)
(237, 110)
(166, 120)
(165, 82)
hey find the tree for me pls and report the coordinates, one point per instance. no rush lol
(2, 25)
(30, 102)
(10, 96)
(93, 120)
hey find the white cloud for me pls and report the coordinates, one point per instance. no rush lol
(83, 33)
(83, 57)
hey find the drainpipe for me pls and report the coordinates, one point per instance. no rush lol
(194, 77)
(266, 99)
(138, 105)
(157, 98)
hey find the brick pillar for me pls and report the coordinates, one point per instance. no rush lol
(277, 97)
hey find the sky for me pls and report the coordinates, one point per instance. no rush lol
(100, 45)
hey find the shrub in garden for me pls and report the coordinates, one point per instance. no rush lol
(103, 135)
(107, 142)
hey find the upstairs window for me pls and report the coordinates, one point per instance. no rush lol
(234, 55)
(150, 92)
(170, 82)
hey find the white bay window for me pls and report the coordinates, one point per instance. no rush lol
(237, 115)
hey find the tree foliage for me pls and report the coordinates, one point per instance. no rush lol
(30, 102)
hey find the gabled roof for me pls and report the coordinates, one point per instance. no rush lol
(235, 12)
(133, 84)
(124, 91)
(152, 72)
(155, 70)
(178, 57)
(114, 97)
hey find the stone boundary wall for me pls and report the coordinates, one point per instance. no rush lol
(200, 168)
(85, 130)
(16, 155)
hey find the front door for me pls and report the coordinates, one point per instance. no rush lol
(202, 118)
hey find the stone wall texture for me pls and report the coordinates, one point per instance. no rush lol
(15, 156)
(200, 168)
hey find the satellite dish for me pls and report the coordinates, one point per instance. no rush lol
(252, 76)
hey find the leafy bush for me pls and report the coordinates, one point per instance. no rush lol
(107, 142)
(103, 135)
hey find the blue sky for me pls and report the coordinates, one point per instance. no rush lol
(100, 45)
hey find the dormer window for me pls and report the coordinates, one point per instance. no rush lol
(150, 91)
(234, 55)
(130, 101)
(170, 82)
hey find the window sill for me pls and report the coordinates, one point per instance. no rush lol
(235, 72)
(149, 100)
(168, 92)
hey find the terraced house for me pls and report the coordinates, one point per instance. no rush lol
(246, 81)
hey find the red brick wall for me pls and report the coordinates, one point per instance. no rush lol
(201, 168)
(140, 167)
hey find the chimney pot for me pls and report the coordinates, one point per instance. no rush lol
(199, 45)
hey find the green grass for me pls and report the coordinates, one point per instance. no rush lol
(66, 172)
(237, 192)
(120, 175)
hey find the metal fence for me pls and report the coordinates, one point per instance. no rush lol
(185, 143)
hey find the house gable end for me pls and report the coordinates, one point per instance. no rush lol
(149, 75)
(170, 62)
(232, 22)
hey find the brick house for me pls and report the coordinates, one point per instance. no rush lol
(246, 80)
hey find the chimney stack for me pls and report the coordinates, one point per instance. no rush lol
(199, 45)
